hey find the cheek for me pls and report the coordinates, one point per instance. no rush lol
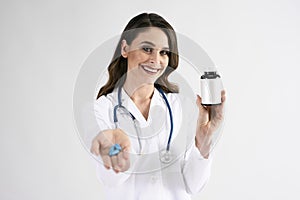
(135, 58)
(165, 62)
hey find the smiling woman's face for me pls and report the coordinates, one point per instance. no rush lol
(147, 55)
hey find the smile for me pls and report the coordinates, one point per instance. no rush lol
(150, 70)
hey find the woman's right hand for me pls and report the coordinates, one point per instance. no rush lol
(104, 141)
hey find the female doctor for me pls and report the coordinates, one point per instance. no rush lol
(138, 83)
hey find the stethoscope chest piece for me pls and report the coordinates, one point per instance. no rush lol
(166, 156)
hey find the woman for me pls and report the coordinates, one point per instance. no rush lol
(138, 81)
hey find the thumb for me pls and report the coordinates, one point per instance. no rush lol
(198, 101)
(202, 109)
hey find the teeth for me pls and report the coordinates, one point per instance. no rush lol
(150, 69)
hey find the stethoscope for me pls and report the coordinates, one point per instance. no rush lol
(165, 154)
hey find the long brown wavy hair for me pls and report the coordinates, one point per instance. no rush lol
(118, 66)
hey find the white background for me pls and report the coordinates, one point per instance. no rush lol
(44, 43)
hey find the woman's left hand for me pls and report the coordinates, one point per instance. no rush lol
(209, 120)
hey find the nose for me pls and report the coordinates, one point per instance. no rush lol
(155, 57)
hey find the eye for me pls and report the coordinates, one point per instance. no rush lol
(148, 49)
(164, 52)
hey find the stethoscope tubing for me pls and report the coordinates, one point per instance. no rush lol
(120, 106)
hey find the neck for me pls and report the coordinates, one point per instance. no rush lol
(139, 93)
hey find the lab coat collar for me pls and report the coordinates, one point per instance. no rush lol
(132, 108)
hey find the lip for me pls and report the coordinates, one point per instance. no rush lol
(150, 70)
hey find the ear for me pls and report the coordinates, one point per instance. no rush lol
(124, 49)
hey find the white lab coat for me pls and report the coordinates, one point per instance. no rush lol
(152, 179)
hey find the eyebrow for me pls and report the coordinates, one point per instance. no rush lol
(152, 44)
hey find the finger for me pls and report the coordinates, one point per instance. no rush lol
(106, 161)
(219, 112)
(121, 161)
(104, 152)
(220, 108)
(126, 153)
(223, 96)
(124, 156)
(199, 100)
(114, 162)
(215, 110)
(199, 104)
(95, 147)
(126, 164)
(126, 146)
(218, 117)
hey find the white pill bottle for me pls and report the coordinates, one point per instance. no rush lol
(211, 87)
